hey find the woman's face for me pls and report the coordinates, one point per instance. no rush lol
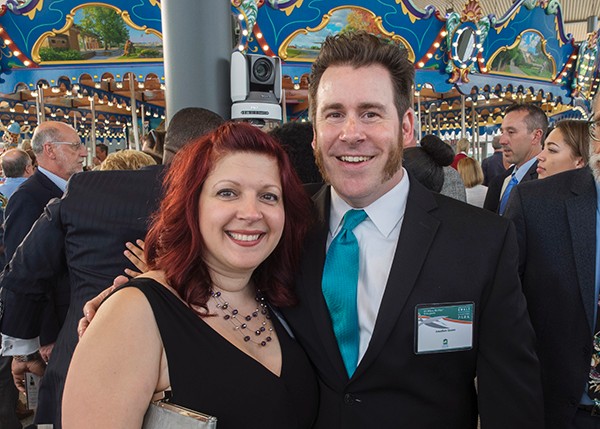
(241, 212)
(557, 156)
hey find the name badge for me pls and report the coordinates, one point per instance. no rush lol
(444, 327)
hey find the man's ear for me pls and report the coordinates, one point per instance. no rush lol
(408, 125)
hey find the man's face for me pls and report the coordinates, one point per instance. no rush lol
(69, 160)
(358, 135)
(594, 162)
(100, 154)
(519, 145)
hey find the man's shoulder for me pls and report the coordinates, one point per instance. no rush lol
(114, 177)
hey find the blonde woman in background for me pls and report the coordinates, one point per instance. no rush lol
(127, 160)
(472, 176)
(567, 147)
(462, 149)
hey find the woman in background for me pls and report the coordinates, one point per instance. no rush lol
(567, 147)
(426, 162)
(472, 176)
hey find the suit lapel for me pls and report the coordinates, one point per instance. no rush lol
(418, 231)
(581, 214)
(313, 271)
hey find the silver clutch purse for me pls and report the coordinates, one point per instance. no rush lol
(162, 414)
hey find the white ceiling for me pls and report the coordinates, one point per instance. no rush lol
(575, 12)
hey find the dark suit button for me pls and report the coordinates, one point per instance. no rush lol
(348, 399)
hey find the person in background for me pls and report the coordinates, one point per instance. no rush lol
(17, 167)
(494, 164)
(296, 138)
(223, 246)
(462, 149)
(567, 147)
(426, 162)
(153, 145)
(453, 186)
(522, 133)
(558, 231)
(101, 153)
(127, 159)
(472, 176)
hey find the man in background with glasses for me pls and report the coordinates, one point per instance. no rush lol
(60, 154)
(558, 230)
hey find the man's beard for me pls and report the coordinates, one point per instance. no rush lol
(392, 165)
(594, 164)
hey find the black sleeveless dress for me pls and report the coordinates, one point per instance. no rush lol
(210, 375)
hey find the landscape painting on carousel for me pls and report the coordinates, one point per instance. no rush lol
(526, 57)
(305, 44)
(96, 33)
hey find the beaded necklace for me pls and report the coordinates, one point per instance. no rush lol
(241, 323)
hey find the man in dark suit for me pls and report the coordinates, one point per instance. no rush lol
(493, 165)
(60, 154)
(84, 231)
(428, 268)
(523, 130)
(557, 230)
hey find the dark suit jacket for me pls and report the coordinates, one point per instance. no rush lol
(447, 252)
(492, 198)
(555, 219)
(24, 207)
(88, 227)
(492, 166)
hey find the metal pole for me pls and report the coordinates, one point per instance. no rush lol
(420, 131)
(134, 118)
(463, 122)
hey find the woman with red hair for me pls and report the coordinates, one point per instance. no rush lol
(222, 248)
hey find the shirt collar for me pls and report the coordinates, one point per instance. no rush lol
(58, 181)
(385, 212)
(520, 172)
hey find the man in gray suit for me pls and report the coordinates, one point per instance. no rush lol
(557, 226)
(84, 231)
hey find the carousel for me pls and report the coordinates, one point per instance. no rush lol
(99, 65)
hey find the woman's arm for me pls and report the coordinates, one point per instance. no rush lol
(116, 367)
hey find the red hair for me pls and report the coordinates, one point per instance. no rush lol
(174, 243)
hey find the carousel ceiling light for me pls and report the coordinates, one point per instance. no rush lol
(97, 85)
(155, 115)
(296, 86)
(265, 47)
(421, 64)
(25, 122)
(244, 32)
(436, 45)
(429, 55)
(241, 17)
(26, 63)
(7, 42)
(443, 33)
(241, 48)
(34, 93)
(259, 35)
(55, 90)
(11, 110)
(26, 111)
(16, 53)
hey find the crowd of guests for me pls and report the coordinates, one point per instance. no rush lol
(335, 304)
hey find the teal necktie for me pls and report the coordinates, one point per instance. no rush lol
(340, 281)
(504, 200)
